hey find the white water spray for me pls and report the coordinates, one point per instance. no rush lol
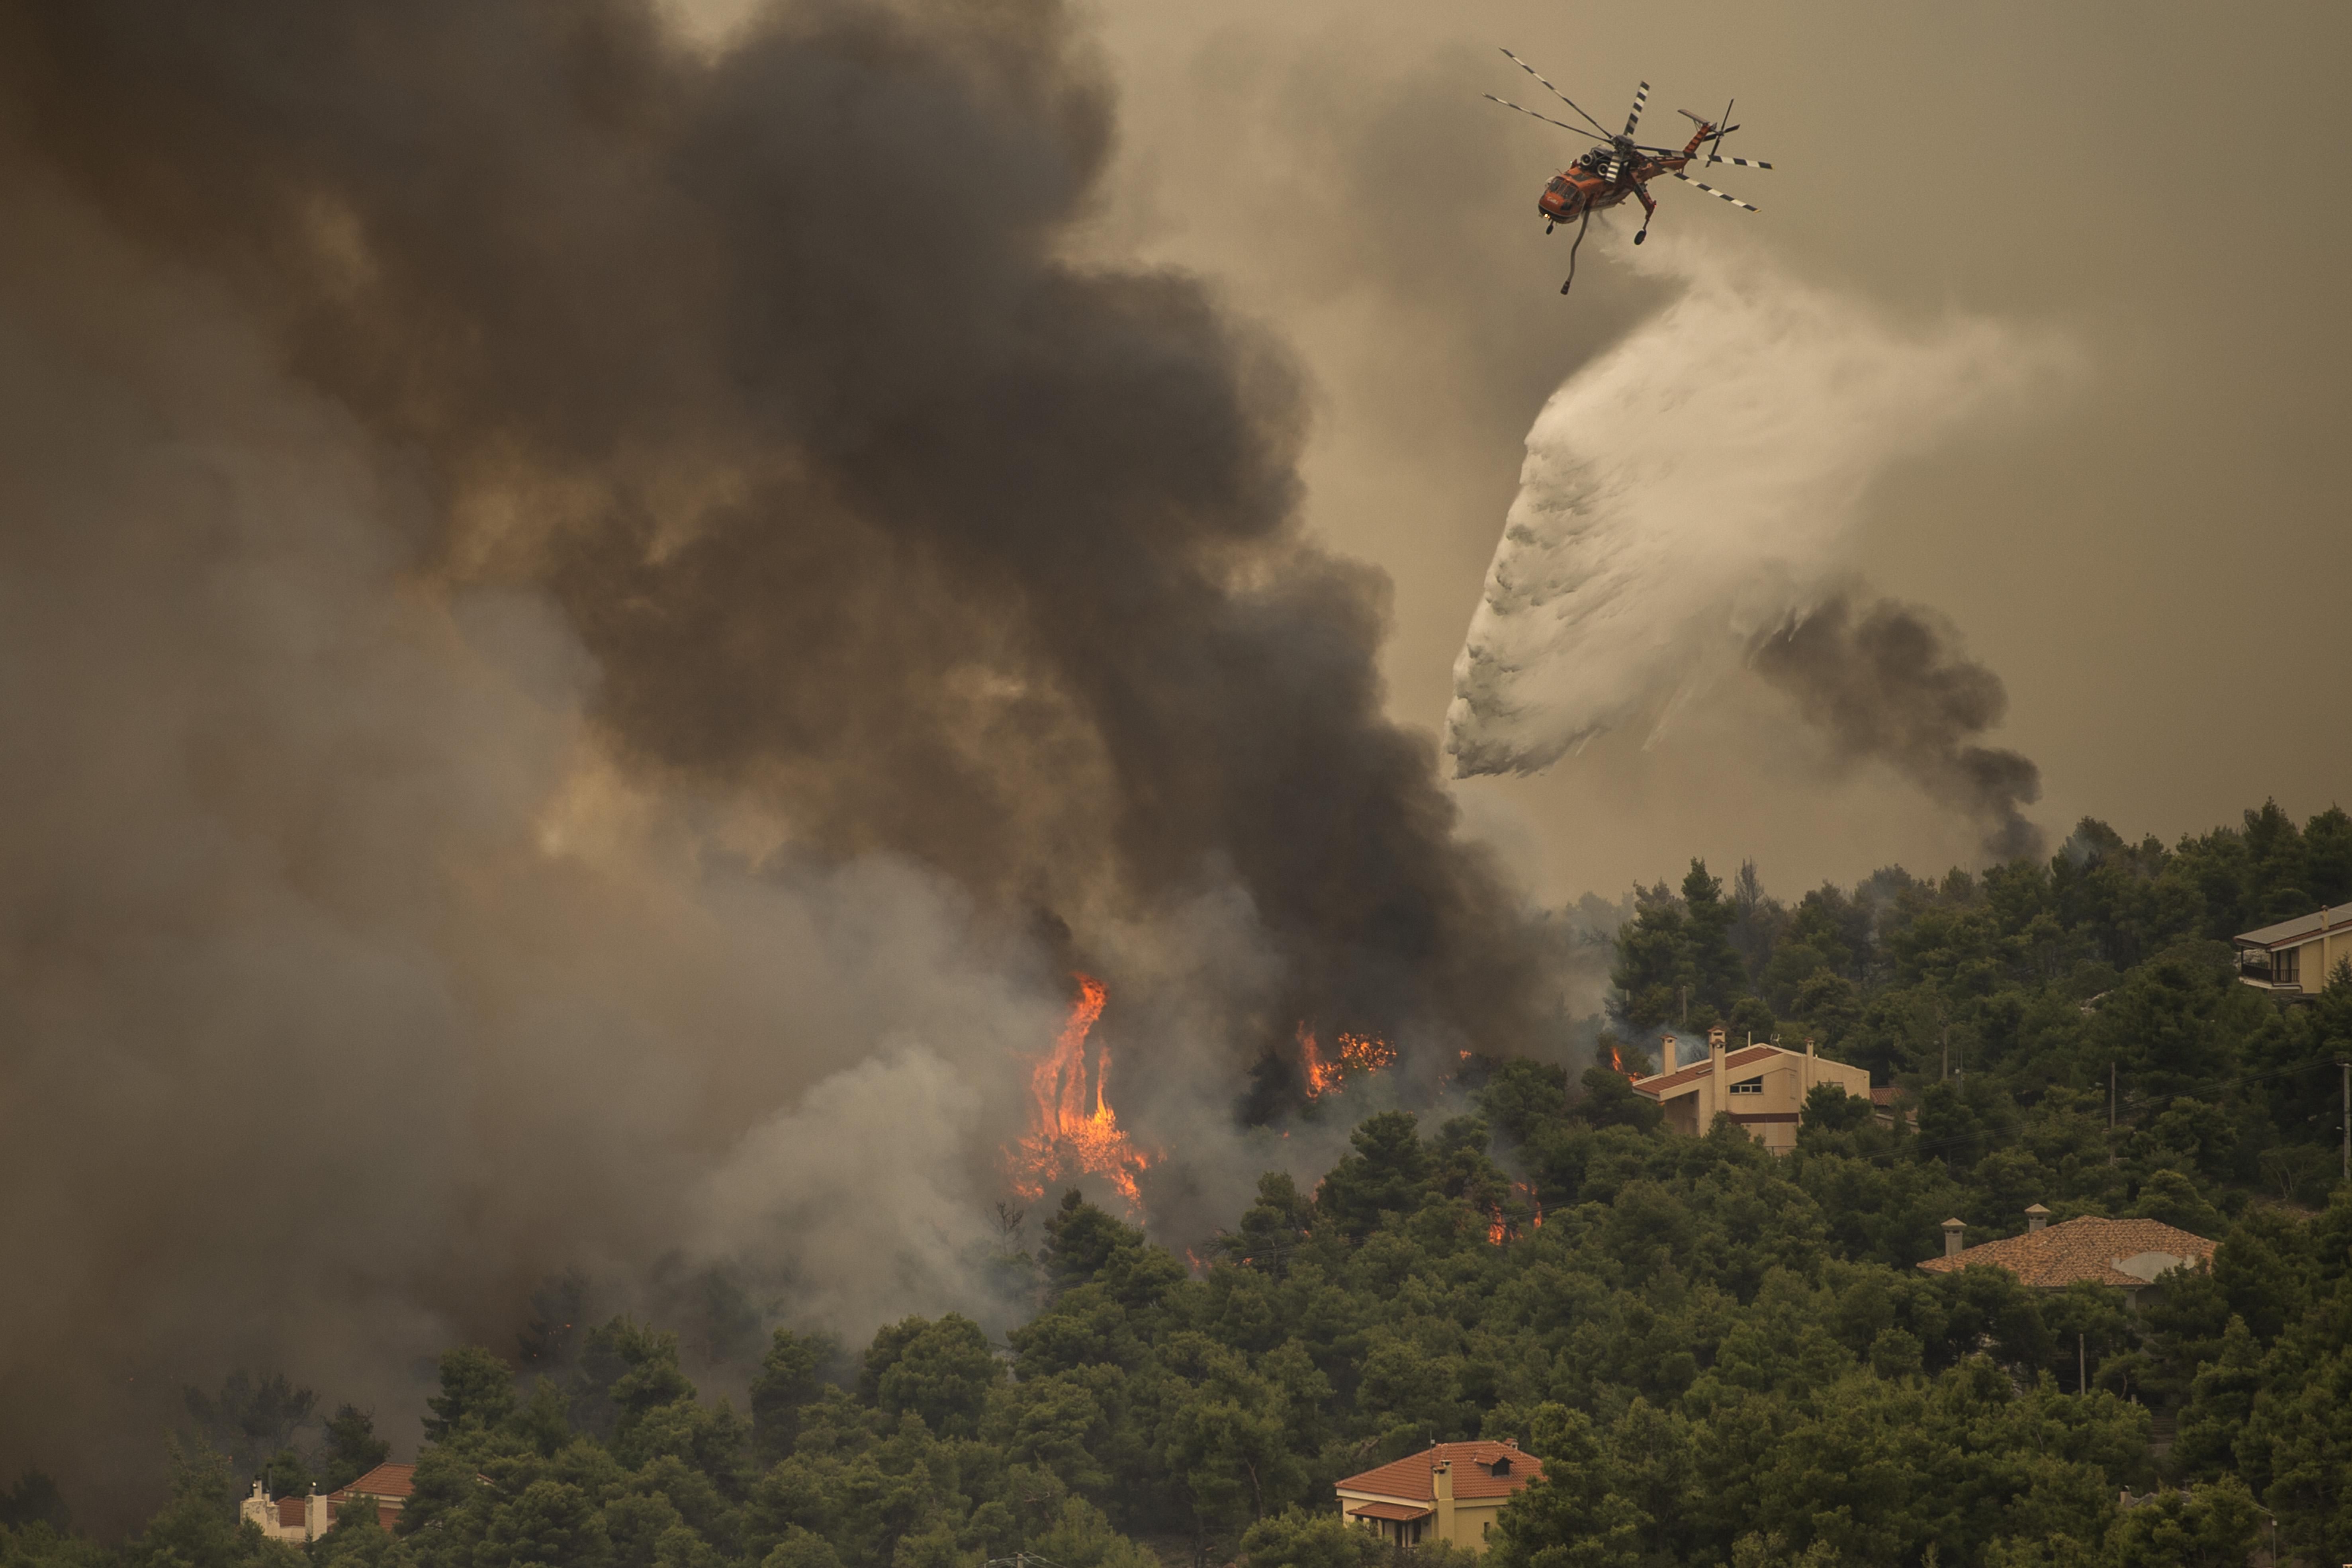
(1695, 487)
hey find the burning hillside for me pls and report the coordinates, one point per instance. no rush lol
(1067, 1137)
(1352, 1055)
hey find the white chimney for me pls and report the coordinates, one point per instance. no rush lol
(2036, 1219)
(1952, 1228)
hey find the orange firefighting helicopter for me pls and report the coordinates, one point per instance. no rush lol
(1621, 166)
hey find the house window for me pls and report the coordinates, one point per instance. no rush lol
(1750, 1085)
(2286, 967)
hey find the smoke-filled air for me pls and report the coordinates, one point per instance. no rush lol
(1691, 501)
(701, 822)
(597, 631)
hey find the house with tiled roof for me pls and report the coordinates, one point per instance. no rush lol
(2132, 1254)
(1761, 1088)
(1453, 1492)
(386, 1488)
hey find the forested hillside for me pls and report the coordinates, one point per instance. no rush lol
(1721, 1356)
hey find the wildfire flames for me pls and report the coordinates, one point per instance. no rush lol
(1617, 1064)
(1498, 1227)
(1356, 1053)
(1066, 1136)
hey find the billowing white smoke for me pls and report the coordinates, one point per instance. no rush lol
(1695, 487)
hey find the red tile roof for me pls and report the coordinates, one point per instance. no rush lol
(2085, 1249)
(1474, 1473)
(1666, 1083)
(392, 1481)
(1400, 1512)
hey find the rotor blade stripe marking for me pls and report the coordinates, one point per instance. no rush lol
(1547, 119)
(1710, 190)
(1555, 91)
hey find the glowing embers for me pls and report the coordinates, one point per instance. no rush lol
(1067, 1137)
(1326, 1072)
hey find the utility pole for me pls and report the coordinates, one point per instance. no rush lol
(2111, 1113)
(2082, 1365)
(2344, 1065)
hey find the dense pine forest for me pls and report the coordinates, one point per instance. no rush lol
(1721, 1356)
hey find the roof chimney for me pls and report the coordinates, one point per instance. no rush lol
(1666, 1052)
(1952, 1228)
(2036, 1219)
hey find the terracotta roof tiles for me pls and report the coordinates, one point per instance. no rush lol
(2080, 1249)
(1399, 1512)
(1666, 1083)
(1409, 1477)
(392, 1481)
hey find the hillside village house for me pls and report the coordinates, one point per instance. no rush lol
(1453, 1493)
(301, 1518)
(2291, 959)
(2131, 1255)
(1761, 1087)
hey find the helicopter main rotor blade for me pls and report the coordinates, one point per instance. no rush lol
(1547, 119)
(1710, 190)
(1743, 163)
(1641, 97)
(1555, 91)
(1723, 128)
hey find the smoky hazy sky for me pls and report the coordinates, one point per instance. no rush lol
(599, 602)
(2153, 556)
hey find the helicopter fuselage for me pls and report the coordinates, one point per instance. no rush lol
(1582, 188)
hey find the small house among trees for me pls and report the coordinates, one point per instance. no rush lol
(1451, 1493)
(2131, 1255)
(1762, 1088)
(2297, 956)
(386, 1488)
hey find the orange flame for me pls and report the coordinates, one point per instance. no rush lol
(1499, 1228)
(1322, 1072)
(1357, 1054)
(1067, 1137)
(1617, 1064)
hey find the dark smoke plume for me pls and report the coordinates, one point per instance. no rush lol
(389, 388)
(1893, 686)
(857, 495)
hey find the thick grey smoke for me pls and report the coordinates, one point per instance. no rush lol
(592, 624)
(1891, 685)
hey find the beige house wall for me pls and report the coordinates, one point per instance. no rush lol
(1468, 1524)
(1787, 1076)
